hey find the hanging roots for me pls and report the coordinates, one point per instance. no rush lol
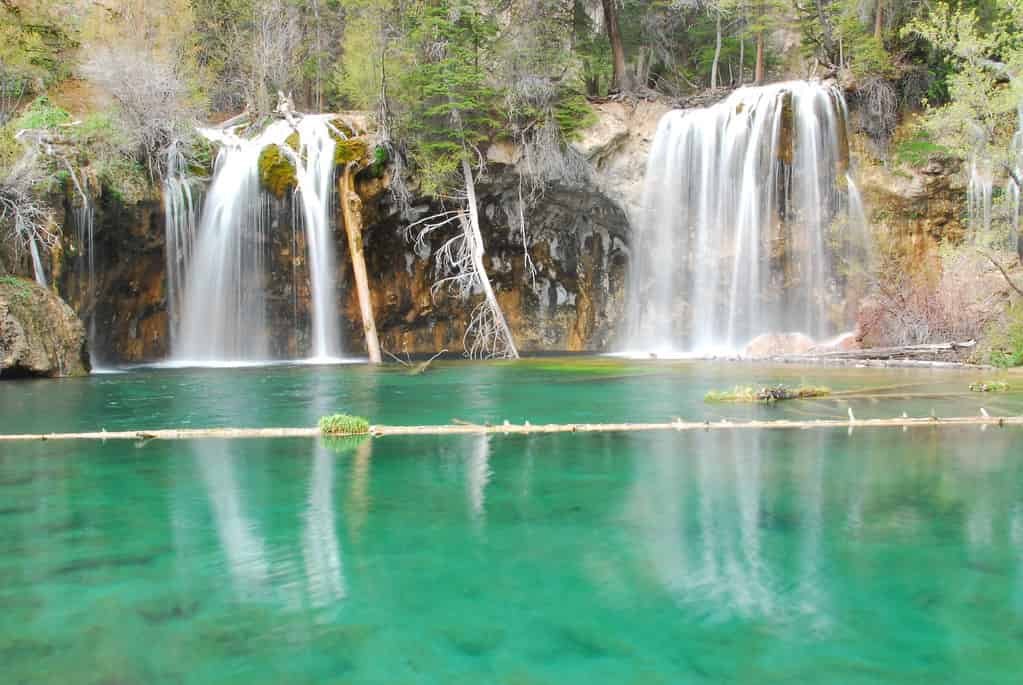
(878, 109)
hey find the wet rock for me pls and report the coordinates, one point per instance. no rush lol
(777, 344)
(40, 335)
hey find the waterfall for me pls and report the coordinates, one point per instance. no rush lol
(84, 219)
(745, 221)
(37, 263)
(180, 213)
(223, 304)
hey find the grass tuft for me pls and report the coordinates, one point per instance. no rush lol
(989, 386)
(343, 424)
(773, 393)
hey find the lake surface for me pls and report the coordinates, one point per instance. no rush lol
(876, 556)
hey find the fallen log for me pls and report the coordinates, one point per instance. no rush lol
(677, 425)
(897, 352)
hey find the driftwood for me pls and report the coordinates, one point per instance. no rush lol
(903, 352)
(420, 369)
(527, 428)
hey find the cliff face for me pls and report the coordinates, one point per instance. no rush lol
(126, 320)
(40, 335)
(577, 240)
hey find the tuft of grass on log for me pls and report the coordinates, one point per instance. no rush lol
(767, 394)
(343, 424)
(989, 386)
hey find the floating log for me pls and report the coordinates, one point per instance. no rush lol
(524, 429)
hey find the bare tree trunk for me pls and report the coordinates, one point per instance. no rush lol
(717, 51)
(758, 72)
(350, 211)
(878, 19)
(619, 80)
(477, 259)
(742, 59)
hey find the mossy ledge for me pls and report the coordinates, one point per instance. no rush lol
(277, 172)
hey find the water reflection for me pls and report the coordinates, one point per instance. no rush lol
(320, 546)
(240, 539)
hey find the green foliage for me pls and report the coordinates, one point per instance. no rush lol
(451, 105)
(380, 159)
(573, 114)
(766, 394)
(42, 113)
(1006, 339)
(981, 48)
(343, 424)
(918, 149)
(108, 149)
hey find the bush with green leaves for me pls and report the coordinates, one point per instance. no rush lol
(1006, 339)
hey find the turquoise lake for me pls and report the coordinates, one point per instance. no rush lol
(815, 556)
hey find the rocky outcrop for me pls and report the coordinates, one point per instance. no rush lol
(127, 319)
(577, 240)
(617, 147)
(40, 335)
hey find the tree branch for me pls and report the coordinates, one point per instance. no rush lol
(1000, 268)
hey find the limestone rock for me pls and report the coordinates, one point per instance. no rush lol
(40, 335)
(617, 147)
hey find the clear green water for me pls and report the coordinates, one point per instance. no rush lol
(750, 557)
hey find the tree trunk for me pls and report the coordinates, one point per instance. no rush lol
(477, 259)
(878, 19)
(717, 52)
(350, 211)
(758, 72)
(742, 59)
(619, 80)
(829, 43)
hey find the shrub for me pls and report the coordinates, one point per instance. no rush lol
(41, 114)
(1006, 339)
(343, 424)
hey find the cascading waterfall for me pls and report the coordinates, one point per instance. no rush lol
(748, 213)
(37, 263)
(980, 196)
(181, 214)
(84, 220)
(224, 268)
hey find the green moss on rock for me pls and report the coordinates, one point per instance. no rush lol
(276, 172)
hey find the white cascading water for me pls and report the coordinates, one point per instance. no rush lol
(182, 216)
(37, 263)
(733, 237)
(84, 219)
(980, 203)
(223, 306)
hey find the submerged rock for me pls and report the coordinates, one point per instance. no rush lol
(40, 335)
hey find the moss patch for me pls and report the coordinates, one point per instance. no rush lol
(774, 393)
(989, 386)
(276, 172)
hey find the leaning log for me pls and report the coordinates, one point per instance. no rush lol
(351, 212)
